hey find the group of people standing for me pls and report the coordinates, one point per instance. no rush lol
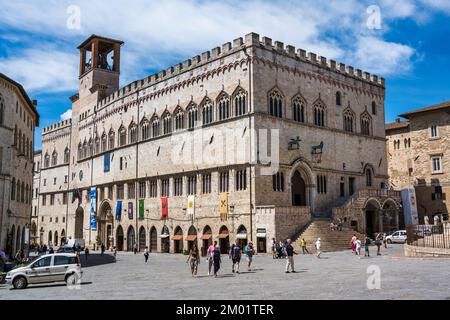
(380, 239)
(214, 259)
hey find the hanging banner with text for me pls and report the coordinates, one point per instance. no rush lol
(106, 162)
(164, 209)
(118, 209)
(93, 208)
(191, 206)
(130, 210)
(141, 209)
(223, 205)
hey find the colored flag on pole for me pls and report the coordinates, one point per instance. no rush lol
(141, 209)
(164, 209)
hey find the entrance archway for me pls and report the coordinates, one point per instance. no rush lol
(298, 188)
(153, 240)
(178, 240)
(165, 240)
(242, 236)
(224, 239)
(104, 224)
(63, 237)
(119, 238)
(131, 238)
(142, 239)
(79, 220)
(302, 185)
(391, 218)
(207, 239)
(192, 237)
(372, 218)
(56, 238)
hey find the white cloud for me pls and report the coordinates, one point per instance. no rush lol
(381, 57)
(440, 5)
(66, 115)
(42, 69)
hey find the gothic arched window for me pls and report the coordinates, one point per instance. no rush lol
(145, 132)
(207, 112)
(132, 133)
(240, 103)
(54, 158)
(179, 120)
(67, 155)
(298, 109)
(366, 124)
(155, 127)
(348, 120)
(167, 123)
(112, 139)
(192, 116)
(319, 114)
(46, 160)
(122, 136)
(223, 105)
(276, 104)
(104, 142)
(338, 98)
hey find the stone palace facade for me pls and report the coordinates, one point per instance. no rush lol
(248, 141)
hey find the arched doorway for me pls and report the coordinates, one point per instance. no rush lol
(165, 240)
(207, 239)
(142, 239)
(153, 240)
(63, 237)
(302, 185)
(298, 187)
(50, 239)
(18, 238)
(104, 224)
(372, 218)
(391, 219)
(131, 238)
(224, 239)
(242, 236)
(79, 220)
(56, 238)
(119, 238)
(192, 237)
(178, 240)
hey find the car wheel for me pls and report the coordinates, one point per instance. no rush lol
(389, 241)
(72, 279)
(20, 283)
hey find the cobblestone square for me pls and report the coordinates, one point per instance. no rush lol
(337, 275)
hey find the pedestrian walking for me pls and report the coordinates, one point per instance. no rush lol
(209, 256)
(366, 247)
(384, 240)
(146, 254)
(303, 245)
(135, 248)
(216, 259)
(235, 256)
(115, 253)
(274, 248)
(318, 245)
(249, 251)
(86, 253)
(289, 253)
(378, 243)
(102, 249)
(194, 257)
(358, 247)
(352, 242)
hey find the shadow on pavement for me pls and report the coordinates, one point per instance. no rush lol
(95, 259)
(49, 286)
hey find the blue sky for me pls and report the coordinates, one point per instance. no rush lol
(409, 47)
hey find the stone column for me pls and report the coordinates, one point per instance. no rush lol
(380, 218)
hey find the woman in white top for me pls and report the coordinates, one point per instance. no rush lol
(318, 244)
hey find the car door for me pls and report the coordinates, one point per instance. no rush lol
(403, 236)
(60, 265)
(395, 236)
(40, 270)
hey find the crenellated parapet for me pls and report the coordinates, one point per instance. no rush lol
(57, 126)
(228, 48)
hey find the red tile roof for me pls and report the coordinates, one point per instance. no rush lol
(441, 106)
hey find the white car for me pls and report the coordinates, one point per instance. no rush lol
(397, 237)
(49, 268)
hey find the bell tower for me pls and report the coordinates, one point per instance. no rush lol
(99, 66)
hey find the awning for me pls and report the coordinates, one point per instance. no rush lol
(206, 236)
(223, 235)
(191, 237)
(177, 237)
(241, 236)
(260, 235)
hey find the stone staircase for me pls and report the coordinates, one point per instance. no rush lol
(331, 240)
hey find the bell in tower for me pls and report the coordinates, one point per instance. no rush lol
(99, 66)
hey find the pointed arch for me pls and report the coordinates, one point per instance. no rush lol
(167, 122)
(366, 123)
(207, 110)
(111, 139)
(192, 113)
(349, 119)
(320, 109)
(275, 102)
(178, 116)
(299, 108)
(122, 139)
(240, 101)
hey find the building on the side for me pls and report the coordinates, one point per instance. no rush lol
(419, 158)
(35, 236)
(181, 156)
(18, 119)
